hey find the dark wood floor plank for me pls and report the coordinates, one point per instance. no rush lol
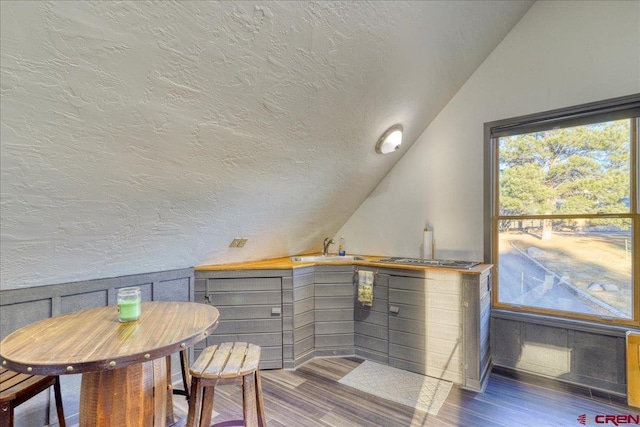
(312, 397)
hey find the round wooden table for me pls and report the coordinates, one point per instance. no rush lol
(125, 367)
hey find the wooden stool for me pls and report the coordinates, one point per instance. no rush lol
(223, 362)
(16, 388)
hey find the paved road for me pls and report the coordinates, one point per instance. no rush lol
(522, 282)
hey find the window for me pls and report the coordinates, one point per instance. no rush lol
(564, 212)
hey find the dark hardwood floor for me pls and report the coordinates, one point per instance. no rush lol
(311, 396)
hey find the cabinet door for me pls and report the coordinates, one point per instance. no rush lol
(250, 311)
(334, 325)
(407, 319)
(425, 324)
(372, 323)
(444, 325)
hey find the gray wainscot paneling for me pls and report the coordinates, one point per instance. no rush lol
(20, 307)
(578, 353)
(303, 322)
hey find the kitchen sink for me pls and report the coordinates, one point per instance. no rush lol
(431, 262)
(327, 258)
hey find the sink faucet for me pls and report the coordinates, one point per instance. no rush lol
(326, 243)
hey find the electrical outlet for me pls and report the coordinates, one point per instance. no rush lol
(238, 242)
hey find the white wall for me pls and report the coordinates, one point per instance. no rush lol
(140, 137)
(559, 54)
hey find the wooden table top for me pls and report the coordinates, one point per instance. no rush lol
(94, 340)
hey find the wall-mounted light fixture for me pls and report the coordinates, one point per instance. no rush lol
(390, 140)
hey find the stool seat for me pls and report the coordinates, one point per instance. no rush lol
(221, 362)
(17, 388)
(226, 360)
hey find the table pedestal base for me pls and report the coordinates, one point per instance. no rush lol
(136, 395)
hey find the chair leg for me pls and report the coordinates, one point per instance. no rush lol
(58, 395)
(262, 420)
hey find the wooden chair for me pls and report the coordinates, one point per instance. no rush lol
(16, 388)
(226, 361)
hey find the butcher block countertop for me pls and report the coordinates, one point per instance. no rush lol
(285, 263)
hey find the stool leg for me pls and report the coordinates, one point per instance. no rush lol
(195, 403)
(249, 404)
(58, 395)
(207, 406)
(262, 420)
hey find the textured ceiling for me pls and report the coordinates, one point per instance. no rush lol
(146, 136)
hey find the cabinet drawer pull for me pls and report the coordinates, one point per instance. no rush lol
(276, 311)
(394, 309)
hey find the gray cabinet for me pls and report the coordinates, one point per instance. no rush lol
(371, 328)
(407, 323)
(433, 322)
(333, 305)
(439, 325)
(250, 311)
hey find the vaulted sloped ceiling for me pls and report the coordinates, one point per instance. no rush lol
(144, 136)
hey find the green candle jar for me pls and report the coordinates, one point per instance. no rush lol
(128, 304)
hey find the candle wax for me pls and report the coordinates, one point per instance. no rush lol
(128, 310)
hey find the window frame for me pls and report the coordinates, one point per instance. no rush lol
(607, 110)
